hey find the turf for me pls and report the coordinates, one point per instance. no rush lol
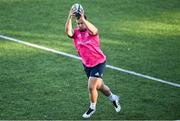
(142, 36)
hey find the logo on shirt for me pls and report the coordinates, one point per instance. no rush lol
(79, 35)
(84, 42)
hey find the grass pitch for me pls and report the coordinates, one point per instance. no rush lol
(142, 36)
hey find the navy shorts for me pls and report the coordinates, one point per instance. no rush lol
(96, 71)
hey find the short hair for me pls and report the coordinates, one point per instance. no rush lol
(84, 17)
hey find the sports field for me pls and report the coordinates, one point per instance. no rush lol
(137, 35)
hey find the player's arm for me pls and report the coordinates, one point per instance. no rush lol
(68, 27)
(93, 30)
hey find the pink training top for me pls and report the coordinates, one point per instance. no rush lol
(88, 47)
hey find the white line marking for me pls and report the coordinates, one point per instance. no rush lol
(76, 57)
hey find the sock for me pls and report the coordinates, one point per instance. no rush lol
(112, 97)
(93, 105)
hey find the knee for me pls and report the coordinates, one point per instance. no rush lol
(92, 88)
(94, 84)
(104, 87)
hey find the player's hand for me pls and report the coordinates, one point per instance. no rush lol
(82, 15)
(72, 13)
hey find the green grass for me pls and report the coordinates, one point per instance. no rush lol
(142, 36)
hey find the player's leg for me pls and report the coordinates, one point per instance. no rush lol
(112, 97)
(94, 84)
(105, 89)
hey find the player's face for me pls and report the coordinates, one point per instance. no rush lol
(81, 25)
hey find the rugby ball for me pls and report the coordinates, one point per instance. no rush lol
(77, 8)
